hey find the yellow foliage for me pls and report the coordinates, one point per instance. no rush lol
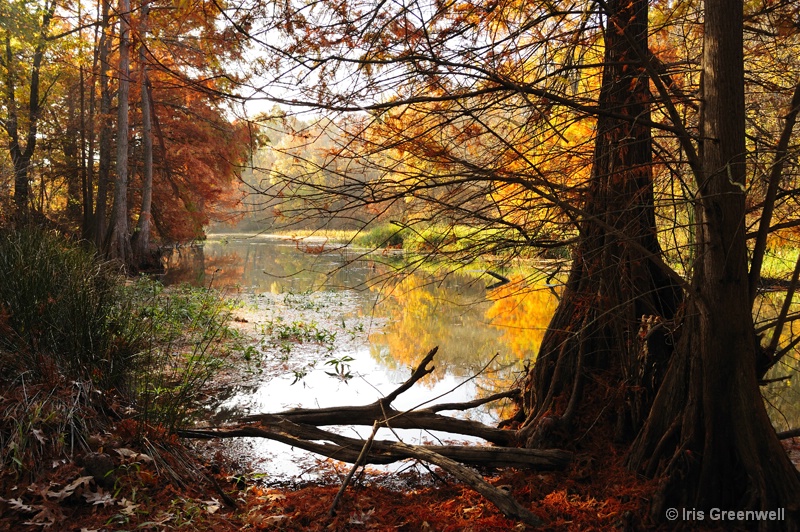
(522, 313)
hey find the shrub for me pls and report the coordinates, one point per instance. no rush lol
(60, 313)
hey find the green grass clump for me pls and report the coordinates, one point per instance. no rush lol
(185, 328)
(79, 332)
(60, 311)
(381, 236)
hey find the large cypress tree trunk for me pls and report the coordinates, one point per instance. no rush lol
(708, 436)
(589, 356)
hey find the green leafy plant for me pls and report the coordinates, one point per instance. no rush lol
(280, 332)
(341, 367)
(186, 326)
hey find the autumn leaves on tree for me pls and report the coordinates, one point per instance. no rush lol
(465, 116)
(142, 89)
(649, 142)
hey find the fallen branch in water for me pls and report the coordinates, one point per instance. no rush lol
(299, 427)
(381, 410)
(346, 449)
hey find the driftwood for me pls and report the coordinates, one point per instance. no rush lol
(424, 419)
(346, 449)
(300, 428)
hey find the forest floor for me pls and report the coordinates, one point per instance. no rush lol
(183, 488)
(118, 474)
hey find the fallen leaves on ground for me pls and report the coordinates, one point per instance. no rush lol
(145, 498)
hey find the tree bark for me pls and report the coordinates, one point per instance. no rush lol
(118, 244)
(104, 142)
(142, 253)
(70, 147)
(87, 184)
(708, 437)
(613, 282)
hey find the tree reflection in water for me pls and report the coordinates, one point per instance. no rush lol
(469, 323)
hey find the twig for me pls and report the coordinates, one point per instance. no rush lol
(474, 403)
(359, 461)
(501, 280)
(418, 373)
(451, 390)
(227, 499)
(776, 379)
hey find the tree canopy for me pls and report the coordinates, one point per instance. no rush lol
(648, 146)
(63, 108)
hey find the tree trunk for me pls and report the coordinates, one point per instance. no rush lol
(141, 238)
(70, 147)
(104, 142)
(118, 245)
(612, 282)
(21, 163)
(708, 436)
(21, 156)
(21, 187)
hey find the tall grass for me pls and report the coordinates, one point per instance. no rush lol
(78, 338)
(60, 312)
(381, 236)
(185, 328)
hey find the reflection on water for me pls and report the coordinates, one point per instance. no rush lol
(386, 325)
(468, 323)
(262, 264)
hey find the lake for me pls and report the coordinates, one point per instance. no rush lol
(338, 328)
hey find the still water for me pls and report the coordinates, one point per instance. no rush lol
(337, 328)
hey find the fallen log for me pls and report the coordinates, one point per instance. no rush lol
(448, 457)
(423, 419)
(299, 427)
(346, 449)
(366, 415)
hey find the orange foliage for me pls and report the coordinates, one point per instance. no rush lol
(450, 314)
(199, 151)
(523, 314)
(578, 499)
